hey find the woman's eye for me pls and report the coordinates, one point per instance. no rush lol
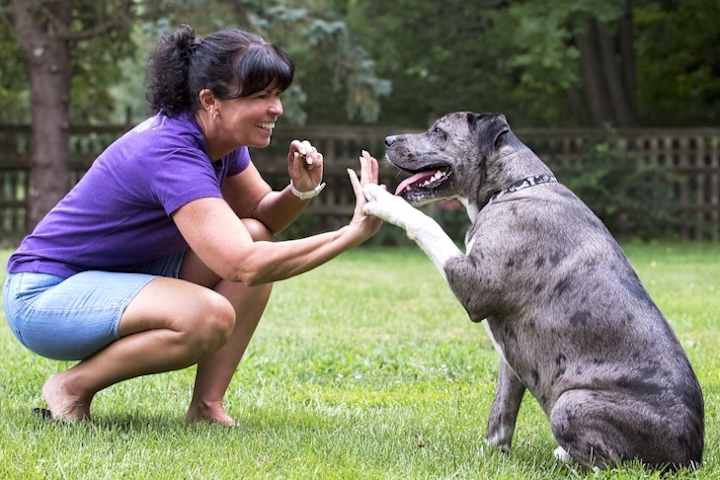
(265, 95)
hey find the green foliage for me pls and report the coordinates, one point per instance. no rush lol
(405, 62)
(679, 62)
(14, 88)
(366, 368)
(98, 62)
(332, 68)
(632, 199)
(438, 55)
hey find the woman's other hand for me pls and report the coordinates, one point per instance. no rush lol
(305, 165)
(363, 226)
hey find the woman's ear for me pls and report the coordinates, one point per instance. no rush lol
(208, 102)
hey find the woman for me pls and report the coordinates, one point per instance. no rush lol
(160, 257)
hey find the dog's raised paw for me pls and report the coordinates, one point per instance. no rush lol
(380, 210)
(374, 192)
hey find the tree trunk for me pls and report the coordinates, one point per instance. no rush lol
(577, 105)
(47, 56)
(627, 54)
(613, 76)
(598, 98)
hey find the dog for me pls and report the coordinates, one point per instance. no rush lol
(563, 306)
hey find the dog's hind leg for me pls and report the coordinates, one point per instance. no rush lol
(579, 423)
(603, 428)
(503, 414)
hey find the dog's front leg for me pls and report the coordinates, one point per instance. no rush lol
(503, 414)
(425, 231)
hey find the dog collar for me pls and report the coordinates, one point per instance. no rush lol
(523, 184)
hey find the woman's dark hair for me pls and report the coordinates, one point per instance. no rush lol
(231, 63)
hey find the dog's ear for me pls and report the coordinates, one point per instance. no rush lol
(500, 128)
(489, 128)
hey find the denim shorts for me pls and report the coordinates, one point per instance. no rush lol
(75, 317)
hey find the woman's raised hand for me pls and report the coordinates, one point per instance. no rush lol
(364, 226)
(305, 165)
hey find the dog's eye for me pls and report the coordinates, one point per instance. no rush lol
(439, 132)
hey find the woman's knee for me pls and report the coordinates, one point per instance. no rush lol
(211, 324)
(258, 231)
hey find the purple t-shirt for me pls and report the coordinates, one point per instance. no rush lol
(118, 215)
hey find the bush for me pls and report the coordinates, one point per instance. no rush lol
(632, 199)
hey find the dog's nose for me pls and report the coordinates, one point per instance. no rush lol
(390, 140)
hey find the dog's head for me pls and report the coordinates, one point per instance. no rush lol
(449, 159)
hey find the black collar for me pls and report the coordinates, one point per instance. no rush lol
(523, 184)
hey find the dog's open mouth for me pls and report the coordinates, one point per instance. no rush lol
(424, 184)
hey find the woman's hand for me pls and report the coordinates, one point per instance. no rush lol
(305, 165)
(363, 226)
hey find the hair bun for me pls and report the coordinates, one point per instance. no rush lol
(183, 38)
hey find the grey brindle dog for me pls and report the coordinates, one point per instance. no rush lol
(567, 313)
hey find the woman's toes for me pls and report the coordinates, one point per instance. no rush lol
(210, 413)
(63, 404)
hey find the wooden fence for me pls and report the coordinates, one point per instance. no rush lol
(693, 155)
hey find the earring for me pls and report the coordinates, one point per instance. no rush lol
(215, 113)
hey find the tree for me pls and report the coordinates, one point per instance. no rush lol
(48, 33)
(581, 50)
(653, 62)
(333, 69)
(678, 62)
(440, 56)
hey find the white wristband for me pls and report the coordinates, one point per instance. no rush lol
(309, 194)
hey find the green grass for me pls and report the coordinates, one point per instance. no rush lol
(364, 368)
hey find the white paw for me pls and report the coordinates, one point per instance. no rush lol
(561, 455)
(387, 206)
(374, 192)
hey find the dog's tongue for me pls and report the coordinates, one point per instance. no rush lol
(414, 179)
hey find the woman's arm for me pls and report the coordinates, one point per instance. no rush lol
(251, 197)
(216, 234)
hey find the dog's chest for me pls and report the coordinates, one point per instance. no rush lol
(472, 213)
(498, 347)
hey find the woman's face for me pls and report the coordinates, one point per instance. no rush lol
(250, 120)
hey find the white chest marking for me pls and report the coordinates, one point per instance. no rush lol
(472, 212)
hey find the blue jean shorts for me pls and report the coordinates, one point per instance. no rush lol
(75, 317)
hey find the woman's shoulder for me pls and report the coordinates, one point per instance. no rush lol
(158, 143)
(162, 132)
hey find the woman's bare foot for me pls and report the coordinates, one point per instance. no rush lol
(64, 404)
(211, 412)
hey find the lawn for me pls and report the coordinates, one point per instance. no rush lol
(364, 368)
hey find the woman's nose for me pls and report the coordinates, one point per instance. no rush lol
(276, 107)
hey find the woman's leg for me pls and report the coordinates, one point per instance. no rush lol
(215, 370)
(170, 324)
